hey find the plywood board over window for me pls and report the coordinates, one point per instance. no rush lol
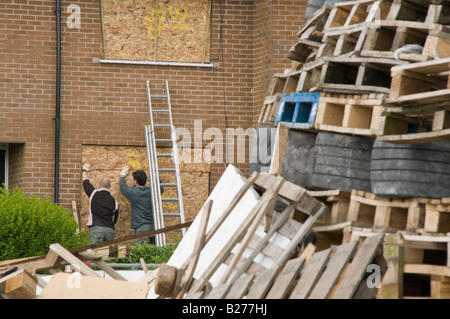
(108, 160)
(156, 30)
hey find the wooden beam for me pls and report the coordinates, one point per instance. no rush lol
(56, 250)
(333, 271)
(236, 237)
(358, 267)
(199, 243)
(276, 164)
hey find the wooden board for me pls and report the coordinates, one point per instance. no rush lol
(179, 32)
(108, 161)
(311, 274)
(334, 269)
(71, 286)
(286, 279)
(223, 194)
(240, 287)
(358, 267)
(262, 283)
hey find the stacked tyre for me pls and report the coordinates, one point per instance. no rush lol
(411, 170)
(299, 158)
(342, 162)
(262, 147)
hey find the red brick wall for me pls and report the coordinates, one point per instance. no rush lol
(106, 104)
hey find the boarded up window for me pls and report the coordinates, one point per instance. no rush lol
(156, 30)
(108, 161)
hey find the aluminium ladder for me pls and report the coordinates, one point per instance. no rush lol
(154, 170)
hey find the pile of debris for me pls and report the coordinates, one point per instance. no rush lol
(363, 70)
(361, 120)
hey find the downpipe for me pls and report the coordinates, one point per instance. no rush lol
(58, 99)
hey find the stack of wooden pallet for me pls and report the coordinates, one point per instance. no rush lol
(379, 69)
(268, 254)
(348, 51)
(416, 245)
(417, 110)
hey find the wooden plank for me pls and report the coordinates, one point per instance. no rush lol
(334, 268)
(109, 270)
(240, 287)
(19, 285)
(234, 198)
(282, 135)
(199, 243)
(250, 232)
(57, 249)
(72, 286)
(236, 237)
(424, 269)
(358, 267)
(286, 279)
(273, 229)
(220, 291)
(300, 236)
(263, 282)
(229, 209)
(308, 252)
(392, 283)
(311, 274)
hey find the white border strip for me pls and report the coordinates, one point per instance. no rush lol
(201, 65)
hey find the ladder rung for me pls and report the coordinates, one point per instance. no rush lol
(166, 170)
(156, 96)
(169, 199)
(171, 215)
(163, 155)
(160, 111)
(168, 185)
(162, 125)
(163, 140)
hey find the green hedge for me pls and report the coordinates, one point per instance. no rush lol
(30, 224)
(152, 254)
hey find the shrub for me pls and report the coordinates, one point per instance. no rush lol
(152, 254)
(29, 225)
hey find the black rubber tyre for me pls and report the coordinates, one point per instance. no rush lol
(298, 163)
(411, 170)
(342, 162)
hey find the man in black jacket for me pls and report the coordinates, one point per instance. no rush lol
(103, 208)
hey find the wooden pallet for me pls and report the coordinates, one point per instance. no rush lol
(310, 35)
(242, 248)
(437, 216)
(418, 266)
(422, 83)
(386, 213)
(352, 75)
(269, 109)
(338, 272)
(421, 124)
(417, 108)
(385, 37)
(339, 233)
(419, 11)
(351, 14)
(298, 110)
(337, 202)
(352, 114)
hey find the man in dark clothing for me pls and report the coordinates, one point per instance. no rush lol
(140, 198)
(103, 208)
